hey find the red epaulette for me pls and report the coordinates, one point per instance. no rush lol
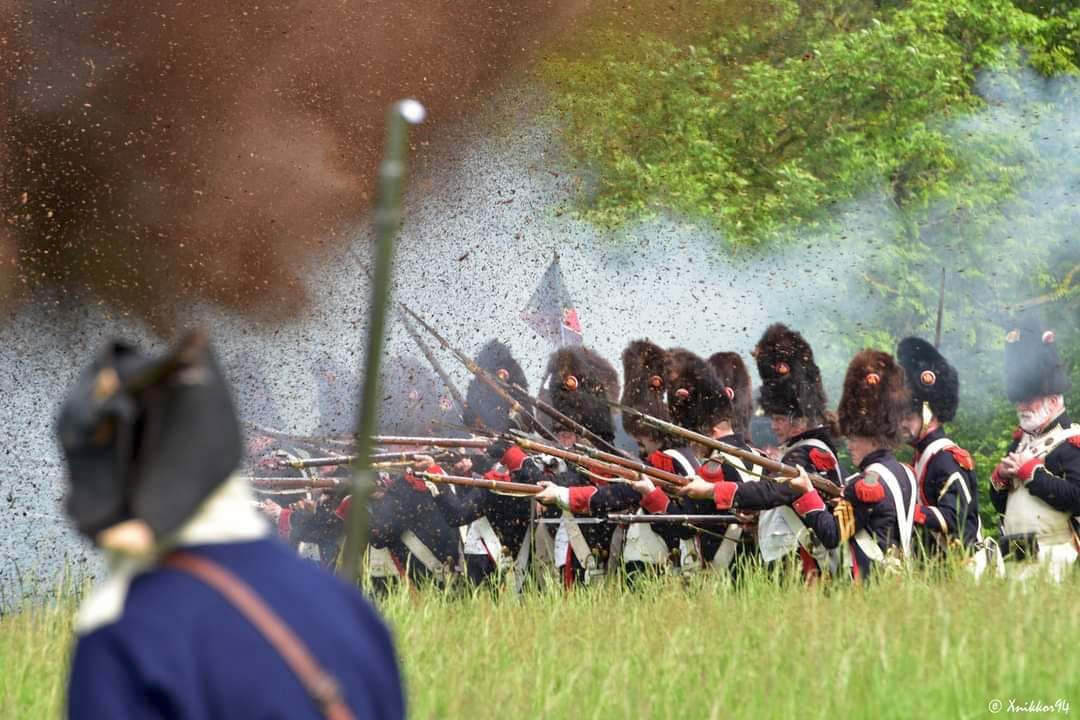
(1075, 441)
(662, 461)
(962, 457)
(1018, 433)
(821, 460)
(496, 475)
(711, 475)
(869, 490)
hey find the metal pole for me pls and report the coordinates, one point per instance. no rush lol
(388, 215)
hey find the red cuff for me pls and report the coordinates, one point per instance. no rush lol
(284, 523)
(996, 481)
(920, 515)
(342, 510)
(1027, 470)
(579, 499)
(724, 493)
(513, 458)
(436, 470)
(656, 501)
(808, 502)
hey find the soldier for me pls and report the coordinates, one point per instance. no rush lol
(701, 403)
(1036, 486)
(794, 398)
(643, 390)
(203, 613)
(731, 371)
(498, 537)
(873, 522)
(579, 383)
(948, 509)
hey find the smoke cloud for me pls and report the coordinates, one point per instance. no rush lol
(481, 226)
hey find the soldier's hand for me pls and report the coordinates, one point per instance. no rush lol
(463, 466)
(270, 509)
(303, 504)
(1008, 467)
(801, 482)
(553, 494)
(423, 462)
(643, 485)
(698, 488)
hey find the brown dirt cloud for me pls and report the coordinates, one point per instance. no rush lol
(157, 152)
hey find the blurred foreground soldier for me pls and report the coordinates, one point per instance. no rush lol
(948, 509)
(1037, 485)
(202, 606)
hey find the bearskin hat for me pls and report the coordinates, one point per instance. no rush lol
(483, 405)
(696, 398)
(731, 372)
(579, 382)
(930, 378)
(644, 385)
(875, 398)
(1033, 365)
(790, 379)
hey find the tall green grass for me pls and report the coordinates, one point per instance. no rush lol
(918, 646)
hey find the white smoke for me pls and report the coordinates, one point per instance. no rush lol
(480, 232)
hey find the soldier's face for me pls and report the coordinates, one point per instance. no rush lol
(911, 426)
(647, 444)
(566, 438)
(1035, 413)
(781, 425)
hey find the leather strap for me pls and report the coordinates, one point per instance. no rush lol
(320, 685)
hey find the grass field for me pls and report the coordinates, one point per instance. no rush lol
(901, 648)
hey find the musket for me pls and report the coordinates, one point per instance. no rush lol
(459, 401)
(480, 373)
(719, 518)
(593, 464)
(500, 486)
(384, 459)
(823, 485)
(388, 216)
(432, 441)
(563, 419)
(622, 460)
(272, 483)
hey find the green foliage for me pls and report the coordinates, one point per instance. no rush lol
(757, 144)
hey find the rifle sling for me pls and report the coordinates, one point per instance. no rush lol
(320, 685)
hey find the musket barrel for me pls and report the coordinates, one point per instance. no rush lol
(433, 441)
(720, 518)
(272, 483)
(822, 485)
(576, 458)
(496, 485)
(653, 472)
(377, 458)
